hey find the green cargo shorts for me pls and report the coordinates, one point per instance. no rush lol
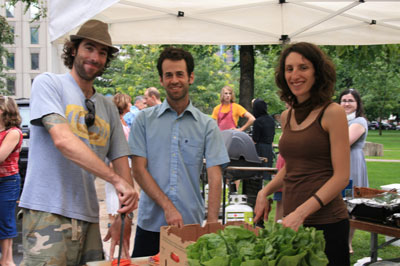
(51, 239)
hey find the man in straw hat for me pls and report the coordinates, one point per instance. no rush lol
(74, 129)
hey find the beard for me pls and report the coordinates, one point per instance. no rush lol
(81, 71)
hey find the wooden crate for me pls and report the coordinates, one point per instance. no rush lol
(365, 192)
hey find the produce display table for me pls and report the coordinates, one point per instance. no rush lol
(376, 229)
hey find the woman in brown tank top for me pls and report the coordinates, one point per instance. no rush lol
(315, 146)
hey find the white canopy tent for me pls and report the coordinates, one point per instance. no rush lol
(340, 22)
(337, 22)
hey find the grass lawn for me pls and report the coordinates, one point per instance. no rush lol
(379, 173)
(391, 143)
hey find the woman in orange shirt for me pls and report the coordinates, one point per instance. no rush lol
(228, 112)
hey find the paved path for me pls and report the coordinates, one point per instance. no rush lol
(383, 160)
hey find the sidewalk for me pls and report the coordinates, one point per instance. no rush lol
(104, 220)
(382, 160)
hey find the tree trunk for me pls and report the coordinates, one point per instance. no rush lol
(246, 93)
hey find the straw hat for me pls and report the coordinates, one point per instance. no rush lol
(97, 31)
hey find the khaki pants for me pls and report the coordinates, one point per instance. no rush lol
(51, 239)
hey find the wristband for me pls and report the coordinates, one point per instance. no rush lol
(319, 200)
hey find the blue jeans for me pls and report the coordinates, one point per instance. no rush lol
(9, 193)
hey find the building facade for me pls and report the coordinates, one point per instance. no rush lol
(29, 54)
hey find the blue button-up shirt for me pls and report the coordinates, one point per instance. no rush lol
(174, 147)
(130, 116)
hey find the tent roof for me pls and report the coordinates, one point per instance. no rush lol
(340, 22)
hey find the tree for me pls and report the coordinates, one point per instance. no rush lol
(136, 69)
(246, 76)
(374, 72)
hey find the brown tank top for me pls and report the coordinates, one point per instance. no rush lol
(308, 167)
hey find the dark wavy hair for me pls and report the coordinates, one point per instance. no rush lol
(10, 116)
(175, 54)
(325, 74)
(71, 46)
(357, 97)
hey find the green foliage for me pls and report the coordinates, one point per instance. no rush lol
(136, 69)
(274, 246)
(264, 78)
(40, 4)
(372, 70)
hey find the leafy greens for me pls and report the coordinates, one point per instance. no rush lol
(274, 246)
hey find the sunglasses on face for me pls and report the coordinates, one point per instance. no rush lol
(91, 115)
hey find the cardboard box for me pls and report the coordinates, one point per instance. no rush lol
(144, 261)
(173, 240)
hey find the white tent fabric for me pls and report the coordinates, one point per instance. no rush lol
(340, 22)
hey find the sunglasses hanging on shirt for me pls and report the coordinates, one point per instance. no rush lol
(91, 115)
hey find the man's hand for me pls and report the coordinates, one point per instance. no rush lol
(127, 195)
(114, 233)
(173, 217)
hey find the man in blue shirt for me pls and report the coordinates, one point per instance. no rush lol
(169, 142)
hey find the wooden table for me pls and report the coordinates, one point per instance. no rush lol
(376, 229)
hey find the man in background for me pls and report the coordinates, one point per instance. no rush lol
(152, 96)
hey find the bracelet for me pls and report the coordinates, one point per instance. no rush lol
(319, 200)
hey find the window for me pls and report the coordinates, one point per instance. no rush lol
(9, 10)
(11, 86)
(11, 61)
(34, 61)
(34, 35)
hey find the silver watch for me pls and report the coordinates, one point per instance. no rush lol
(130, 215)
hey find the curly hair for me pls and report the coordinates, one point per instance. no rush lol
(122, 102)
(357, 97)
(325, 74)
(228, 88)
(176, 54)
(71, 46)
(10, 116)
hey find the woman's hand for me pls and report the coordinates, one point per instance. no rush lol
(293, 220)
(263, 207)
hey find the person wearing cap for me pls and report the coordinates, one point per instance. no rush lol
(74, 129)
